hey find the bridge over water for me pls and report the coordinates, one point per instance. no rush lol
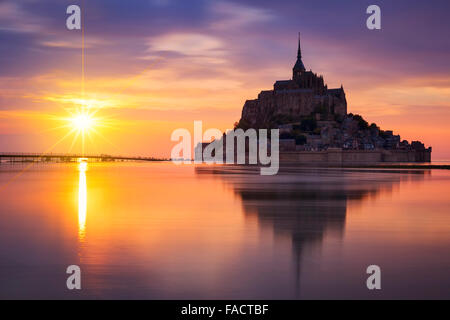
(12, 157)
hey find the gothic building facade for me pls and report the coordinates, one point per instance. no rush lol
(304, 94)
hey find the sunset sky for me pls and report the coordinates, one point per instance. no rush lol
(156, 65)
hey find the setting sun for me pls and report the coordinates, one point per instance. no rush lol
(83, 122)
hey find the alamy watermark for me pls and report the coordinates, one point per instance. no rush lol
(373, 22)
(74, 280)
(374, 280)
(234, 147)
(73, 22)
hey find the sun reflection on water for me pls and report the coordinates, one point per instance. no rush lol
(82, 199)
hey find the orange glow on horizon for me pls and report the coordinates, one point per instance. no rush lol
(149, 104)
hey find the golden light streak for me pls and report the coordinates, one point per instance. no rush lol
(82, 199)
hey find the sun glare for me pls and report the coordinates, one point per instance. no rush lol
(83, 122)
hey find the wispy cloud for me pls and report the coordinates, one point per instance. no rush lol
(187, 44)
(14, 19)
(231, 16)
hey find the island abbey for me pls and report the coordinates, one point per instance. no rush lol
(315, 127)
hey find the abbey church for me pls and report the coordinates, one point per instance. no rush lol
(314, 125)
(303, 95)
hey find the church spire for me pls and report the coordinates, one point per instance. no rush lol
(299, 67)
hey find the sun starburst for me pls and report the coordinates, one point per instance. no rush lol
(84, 122)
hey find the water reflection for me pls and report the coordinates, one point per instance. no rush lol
(225, 234)
(82, 199)
(307, 205)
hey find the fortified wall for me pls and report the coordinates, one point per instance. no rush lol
(339, 157)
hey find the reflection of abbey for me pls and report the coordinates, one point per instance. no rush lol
(304, 94)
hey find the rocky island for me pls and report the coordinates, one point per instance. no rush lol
(316, 128)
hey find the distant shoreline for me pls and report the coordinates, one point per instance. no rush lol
(408, 166)
(374, 166)
(426, 166)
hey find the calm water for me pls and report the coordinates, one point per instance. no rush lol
(161, 231)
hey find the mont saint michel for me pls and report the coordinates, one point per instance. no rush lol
(304, 189)
(315, 126)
